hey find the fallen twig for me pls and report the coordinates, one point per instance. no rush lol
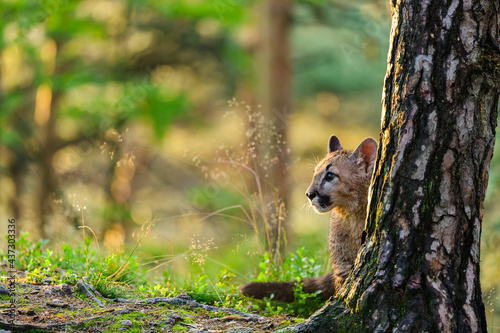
(85, 290)
(185, 300)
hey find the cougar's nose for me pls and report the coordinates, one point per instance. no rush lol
(311, 195)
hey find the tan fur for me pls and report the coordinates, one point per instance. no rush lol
(346, 197)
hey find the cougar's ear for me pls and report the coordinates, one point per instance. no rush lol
(334, 144)
(366, 152)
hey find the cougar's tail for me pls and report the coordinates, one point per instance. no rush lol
(283, 291)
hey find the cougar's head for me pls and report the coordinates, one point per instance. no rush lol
(342, 178)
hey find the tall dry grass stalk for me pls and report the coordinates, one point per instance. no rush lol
(248, 169)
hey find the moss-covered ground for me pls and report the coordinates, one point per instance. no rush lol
(64, 308)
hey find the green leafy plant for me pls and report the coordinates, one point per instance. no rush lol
(296, 267)
(69, 277)
(39, 274)
(73, 263)
(29, 254)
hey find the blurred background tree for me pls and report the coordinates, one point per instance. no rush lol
(115, 113)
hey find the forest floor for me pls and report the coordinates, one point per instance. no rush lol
(68, 308)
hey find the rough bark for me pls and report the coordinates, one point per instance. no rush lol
(418, 268)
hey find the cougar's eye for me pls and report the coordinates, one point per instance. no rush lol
(329, 176)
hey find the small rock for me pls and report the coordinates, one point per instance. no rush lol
(171, 321)
(176, 318)
(62, 289)
(169, 324)
(57, 303)
(3, 331)
(126, 323)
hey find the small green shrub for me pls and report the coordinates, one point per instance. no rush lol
(296, 267)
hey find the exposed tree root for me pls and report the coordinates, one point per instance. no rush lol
(185, 300)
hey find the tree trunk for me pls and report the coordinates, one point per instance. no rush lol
(275, 95)
(45, 120)
(418, 268)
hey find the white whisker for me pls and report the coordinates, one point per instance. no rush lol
(305, 206)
